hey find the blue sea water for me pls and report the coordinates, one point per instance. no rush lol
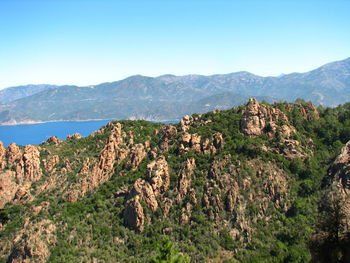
(38, 133)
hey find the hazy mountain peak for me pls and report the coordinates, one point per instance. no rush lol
(167, 97)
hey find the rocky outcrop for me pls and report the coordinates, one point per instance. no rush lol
(15, 160)
(259, 118)
(50, 163)
(185, 123)
(31, 158)
(74, 136)
(331, 237)
(166, 134)
(292, 149)
(85, 169)
(53, 140)
(185, 178)
(232, 196)
(186, 213)
(147, 190)
(340, 170)
(33, 242)
(2, 156)
(307, 110)
(190, 141)
(137, 153)
(340, 176)
(134, 215)
(194, 142)
(167, 206)
(218, 140)
(96, 173)
(158, 175)
(25, 168)
(8, 187)
(208, 147)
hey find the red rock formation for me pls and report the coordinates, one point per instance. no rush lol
(74, 136)
(307, 110)
(14, 159)
(194, 142)
(33, 242)
(166, 133)
(50, 164)
(8, 187)
(185, 179)
(259, 118)
(186, 214)
(2, 156)
(53, 140)
(340, 175)
(134, 215)
(31, 157)
(149, 190)
(145, 190)
(102, 170)
(218, 140)
(186, 123)
(137, 153)
(158, 175)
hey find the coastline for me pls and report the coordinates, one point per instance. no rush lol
(41, 122)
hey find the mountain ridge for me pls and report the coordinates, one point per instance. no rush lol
(328, 85)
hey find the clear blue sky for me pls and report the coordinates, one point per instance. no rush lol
(89, 42)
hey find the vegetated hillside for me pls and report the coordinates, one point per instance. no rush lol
(257, 183)
(18, 92)
(168, 97)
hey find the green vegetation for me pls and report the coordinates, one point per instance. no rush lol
(93, 228)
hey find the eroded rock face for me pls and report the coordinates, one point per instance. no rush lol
(149, 190)
(232, 196)
(74, 136)
(186, 214)
(8, 187)
(53, 140)
(218, 140)
(309, 111)
(145, 190)
(195, 142)
(85, 170)
(33, 242)
(32, 169)
(185, 179)
(98, 172)
(137, 153)
(14, 159)
(158, 175)
(2, 156)
(186, 123)
(50, 164)
(208, 147)
(133, 214)
(166, 133)
(340, 176)
(259, 118)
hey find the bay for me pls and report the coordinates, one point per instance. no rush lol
(38, 133)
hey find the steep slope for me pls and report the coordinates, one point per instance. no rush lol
(332, 238)
(241, 185)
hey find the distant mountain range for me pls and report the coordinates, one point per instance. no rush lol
(169, 97)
